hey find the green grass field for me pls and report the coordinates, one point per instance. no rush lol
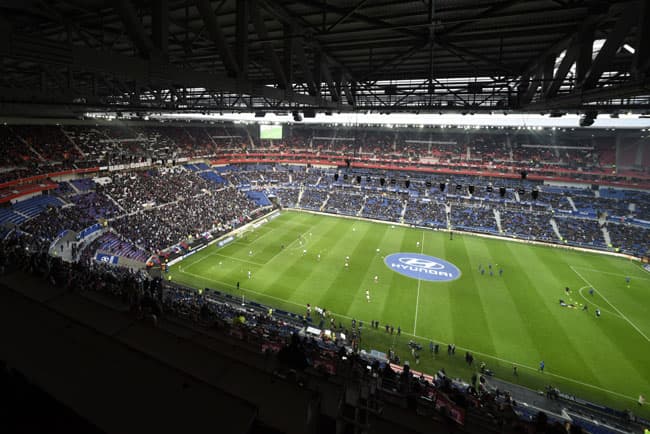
(512, 319)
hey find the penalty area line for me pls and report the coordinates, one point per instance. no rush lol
(613, 307)
(234, 258)
(598, 306)
(610, 273)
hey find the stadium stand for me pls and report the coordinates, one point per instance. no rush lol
(149, 211)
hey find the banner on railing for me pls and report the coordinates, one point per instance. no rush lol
(225, 241)
(106, 259)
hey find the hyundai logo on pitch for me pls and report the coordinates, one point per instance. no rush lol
(422, 267)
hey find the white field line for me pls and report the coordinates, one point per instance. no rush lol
(598, 306)
(240, 241)
(289, 246)
(230, 285)
(417, 298)
(490, 356)
(531, 368)
(209, 255)
(259, 264)
(610, 273)
(196, 260)
(613, 307)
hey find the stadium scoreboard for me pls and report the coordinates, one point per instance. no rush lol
(270, 131)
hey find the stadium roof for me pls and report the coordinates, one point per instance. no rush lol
(327, 55)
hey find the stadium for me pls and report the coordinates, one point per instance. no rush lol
(366, 216)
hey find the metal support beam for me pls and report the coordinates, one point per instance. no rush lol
(269, 51)
(241, 29)
(216, 34)
(527, 97)
(455, 49)
(548, 65)
(146, 73)
(160, 26)
(334, 91)
(610, 47)
(317, 70)
(285, 16)
(641, 62)
(562, 70)
(287, 60)
(299, 49)
(347, 15)
(585, 42)
(594, 19)
(576, 100)
(135, 30)
(349, 91)
(395, 60)
(489, 12)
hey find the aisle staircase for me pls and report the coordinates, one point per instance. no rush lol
(322, 207)
(29, 146)
(302, 190)
(606, 236)
(556, 229)
(403, 213)
(572, 203)
(65, 133)
(363, 205)
(497, 217)
(74, 188)
(448, 215)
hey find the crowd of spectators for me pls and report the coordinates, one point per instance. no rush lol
(50, 143)
(28, 255)
(15, 153)
(313, 198)
(36, 147)
(529, 225)
(309, 177)
(425, 205)
(288, 196)
(426, 212)
(54, 220)
(96, 205)
(344, 202)
(170, 204)
(383, 207)
(160, 227)
(597, 205)
(135, 190)
(84, 210)
(478, 218)
(629, 238)
(581, 231)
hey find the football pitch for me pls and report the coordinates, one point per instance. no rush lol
(504, 320)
